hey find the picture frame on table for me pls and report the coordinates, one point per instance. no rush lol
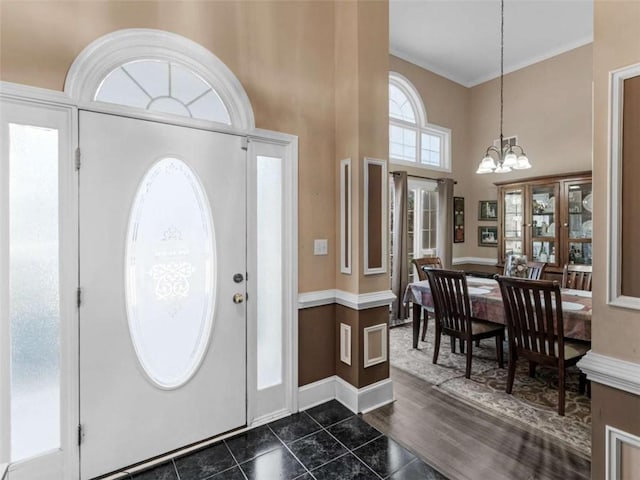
(458, 219)
(488, 236)
(488, 210)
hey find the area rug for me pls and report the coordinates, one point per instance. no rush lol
(533, 403)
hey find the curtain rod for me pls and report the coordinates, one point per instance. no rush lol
(424, 178)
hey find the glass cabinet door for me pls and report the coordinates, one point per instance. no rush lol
(513, 220)
(579, 225)
(544, 225)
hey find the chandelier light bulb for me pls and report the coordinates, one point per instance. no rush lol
(502, 169)
(523, 163)
(510, 160)
(487, 165)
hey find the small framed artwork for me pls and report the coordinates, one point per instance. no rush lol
(488, 236)
(458, 219)
(488, 210)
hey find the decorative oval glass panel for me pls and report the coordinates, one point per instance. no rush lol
(170, 266)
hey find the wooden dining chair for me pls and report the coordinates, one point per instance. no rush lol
(454, 315)
(577, 277)
(535, 270)
(422, 265)
(531, 306)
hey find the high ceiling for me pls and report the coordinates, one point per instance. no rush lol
(460, 39)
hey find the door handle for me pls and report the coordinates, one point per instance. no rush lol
(238, 298)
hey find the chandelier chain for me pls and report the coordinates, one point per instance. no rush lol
(503, 158)
(501, 70)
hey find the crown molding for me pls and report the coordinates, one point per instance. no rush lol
(474, 81)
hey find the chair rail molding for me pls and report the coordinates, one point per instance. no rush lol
(611, 371)
(356, 301)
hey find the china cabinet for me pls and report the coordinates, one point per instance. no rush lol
(548, 219)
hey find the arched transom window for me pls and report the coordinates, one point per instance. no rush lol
(411, 139)
(163, 86)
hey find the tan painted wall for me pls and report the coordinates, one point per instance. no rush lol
(447, 105)
(616, 331)
(282, 53)
(617, 44)
(548, 105)
(362, 68)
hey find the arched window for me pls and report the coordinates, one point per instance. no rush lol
(411, 139)
(162, 75)
(163, 86)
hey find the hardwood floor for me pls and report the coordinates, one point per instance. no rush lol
(465, 443)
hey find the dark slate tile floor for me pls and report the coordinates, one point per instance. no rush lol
(326, 442)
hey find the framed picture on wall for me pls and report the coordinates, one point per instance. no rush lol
(488, 236)
(488, 210)
(458, 219)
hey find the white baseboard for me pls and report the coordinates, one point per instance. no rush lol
(611, 371)
(316, 393)
(361, 400)
(356, 301)
(474, 260)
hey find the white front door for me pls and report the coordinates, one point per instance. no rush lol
(162, 272)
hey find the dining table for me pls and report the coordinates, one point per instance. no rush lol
(486, 304)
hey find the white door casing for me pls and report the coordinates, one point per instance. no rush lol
(126, 416)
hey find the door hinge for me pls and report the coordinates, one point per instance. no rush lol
(245, 143)
(78, 158)
(80, 433)
(79, 296)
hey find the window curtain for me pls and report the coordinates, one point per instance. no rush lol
(445, 221)
(400, 267)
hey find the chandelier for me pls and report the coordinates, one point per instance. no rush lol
(506, 157)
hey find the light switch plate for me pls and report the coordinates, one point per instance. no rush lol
(320, 247)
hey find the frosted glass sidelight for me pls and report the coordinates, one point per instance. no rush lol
(170, 273)
(34, 297)
(269, 285)
(163, 86)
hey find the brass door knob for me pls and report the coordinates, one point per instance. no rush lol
(238, 298)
